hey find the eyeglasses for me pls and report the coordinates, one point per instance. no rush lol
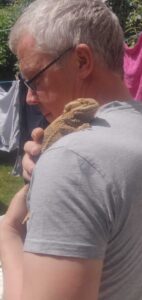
(30, 83)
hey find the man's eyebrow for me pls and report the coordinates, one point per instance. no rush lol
(28, 71)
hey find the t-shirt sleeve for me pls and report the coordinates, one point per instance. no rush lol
(69, 207)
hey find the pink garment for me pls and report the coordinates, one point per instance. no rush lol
(133, 69)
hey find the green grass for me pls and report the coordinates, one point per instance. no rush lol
(9, 184)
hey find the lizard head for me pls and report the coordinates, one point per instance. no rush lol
(82, 108)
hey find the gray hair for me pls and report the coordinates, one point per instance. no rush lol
(60, 24)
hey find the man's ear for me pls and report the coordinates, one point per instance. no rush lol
(84, 60)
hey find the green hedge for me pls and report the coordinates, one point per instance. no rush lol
(8, 15)
(7, 59)
(130, 16)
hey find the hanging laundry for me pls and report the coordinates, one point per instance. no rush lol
(133, 69)
(2, 92)
(9, 118)
(17, 119)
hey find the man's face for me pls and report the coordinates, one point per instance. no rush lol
(55, 87)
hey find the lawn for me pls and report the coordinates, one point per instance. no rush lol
(9, 184)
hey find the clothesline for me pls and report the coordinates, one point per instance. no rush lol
(7, 81)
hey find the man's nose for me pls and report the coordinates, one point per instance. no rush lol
(32, 98)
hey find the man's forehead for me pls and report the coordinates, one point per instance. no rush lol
(29, 56)
(26, 41)
(29, 61)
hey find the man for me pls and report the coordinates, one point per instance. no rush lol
(83, 238)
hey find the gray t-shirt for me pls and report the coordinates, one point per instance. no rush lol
(86, 199)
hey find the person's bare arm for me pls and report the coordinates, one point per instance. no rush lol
(56, 278)
(12, 231)
(12, 234)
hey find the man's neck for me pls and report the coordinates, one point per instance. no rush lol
(109, 86)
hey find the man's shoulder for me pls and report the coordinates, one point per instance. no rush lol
(113, 123)
(115, 132)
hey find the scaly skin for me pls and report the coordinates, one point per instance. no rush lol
(77, 115)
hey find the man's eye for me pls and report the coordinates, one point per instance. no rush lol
(32, 85)
(35, 83)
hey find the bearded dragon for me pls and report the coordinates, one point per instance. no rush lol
(77, 115)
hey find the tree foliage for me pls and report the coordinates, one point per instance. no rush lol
(133, 25)
(7, 59)
(129, 13)
(9, 12)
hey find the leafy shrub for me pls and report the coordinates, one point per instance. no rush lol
(133, 26)
(8, 16)
(7, 59)
(130, 16)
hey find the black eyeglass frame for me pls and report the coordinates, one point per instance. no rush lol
(28, 82)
